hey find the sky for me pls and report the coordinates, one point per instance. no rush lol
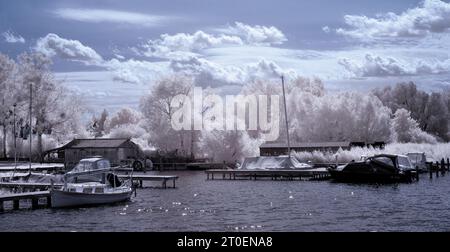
(112, 51)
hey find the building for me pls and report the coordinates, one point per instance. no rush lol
(118, 151)
(276, 149)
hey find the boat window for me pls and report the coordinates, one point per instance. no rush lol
(403, 162)
(384, 160)
(103, 164)
(83, 166)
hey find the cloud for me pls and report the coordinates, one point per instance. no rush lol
(111, 16)
(135, 71)
(211, 74)
(184, 45)
(12, 38)
(181, 44)
(376, 66)
(433, 16)
(256, 35)
(53, 45)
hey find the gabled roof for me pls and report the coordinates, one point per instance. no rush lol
(95, 143)
(307, 145)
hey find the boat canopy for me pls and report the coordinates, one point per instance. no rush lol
(90, 165)
(274, 162)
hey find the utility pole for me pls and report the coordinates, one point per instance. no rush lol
(31, 128)
(285, 117)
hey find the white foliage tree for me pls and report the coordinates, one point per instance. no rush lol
(405, 129)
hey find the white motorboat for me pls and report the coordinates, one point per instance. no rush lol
(91, 182)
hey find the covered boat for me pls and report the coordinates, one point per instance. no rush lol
(91, 182)
(273, 163)
(379, 168)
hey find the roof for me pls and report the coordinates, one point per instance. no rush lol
(307, 145)
(95, 143)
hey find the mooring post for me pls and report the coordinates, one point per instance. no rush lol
(49, 201)
(448, 164)
(34, 203)
(417, 173)
(430, 169)
(437, 169)
(443, 166)
(1, 206)
(16, 204)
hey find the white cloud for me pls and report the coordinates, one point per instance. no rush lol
(212, 74)
(256, 35)
(376, 66)
(53, 45)
(181, 44)
(184, 45)
(12, 38)
(111, 16)
(433, 16)
(326, 29)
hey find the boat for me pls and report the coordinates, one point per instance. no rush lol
(379, 168)
(418, 160)
(91, 182)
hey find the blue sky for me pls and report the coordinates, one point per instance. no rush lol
(111, 51)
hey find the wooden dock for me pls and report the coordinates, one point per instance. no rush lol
(241, 174)
(141, 178)
(17, 197)
(30, 187)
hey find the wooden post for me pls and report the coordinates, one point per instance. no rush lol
(49, 201)
(417, 173)
(437, 169)
(174, 182)
(443, 166)
(430, 169)
(34, 203)
(2, 208)
(141, 184)
(16, 204)
(448, 164)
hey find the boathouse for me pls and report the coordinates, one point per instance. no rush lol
(117, 150)
(276, 148)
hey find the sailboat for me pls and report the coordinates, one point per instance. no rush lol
(91, 182)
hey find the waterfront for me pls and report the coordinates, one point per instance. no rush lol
(201, 205)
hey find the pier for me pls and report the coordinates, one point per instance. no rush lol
(241, 174)
(31, 187)
(141, 178)
(17, 197)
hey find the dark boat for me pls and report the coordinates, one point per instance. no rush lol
(383, 168)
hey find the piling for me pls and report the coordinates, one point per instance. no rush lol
(443, 166)
(437, 169)
(430, 169)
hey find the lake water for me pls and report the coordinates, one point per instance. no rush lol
(198, 204)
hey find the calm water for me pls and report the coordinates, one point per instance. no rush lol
(201, 205)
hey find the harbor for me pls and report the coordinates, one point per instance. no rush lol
(262, 205)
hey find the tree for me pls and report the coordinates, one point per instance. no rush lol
(158, 110)
(53, 106)
(405, 129)
(7, 68)
(125, 116)
(429, 110)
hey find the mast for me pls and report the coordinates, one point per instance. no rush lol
(31, 129)
(285, 117)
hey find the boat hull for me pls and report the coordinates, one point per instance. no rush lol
(73, 199)
(355, 177)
